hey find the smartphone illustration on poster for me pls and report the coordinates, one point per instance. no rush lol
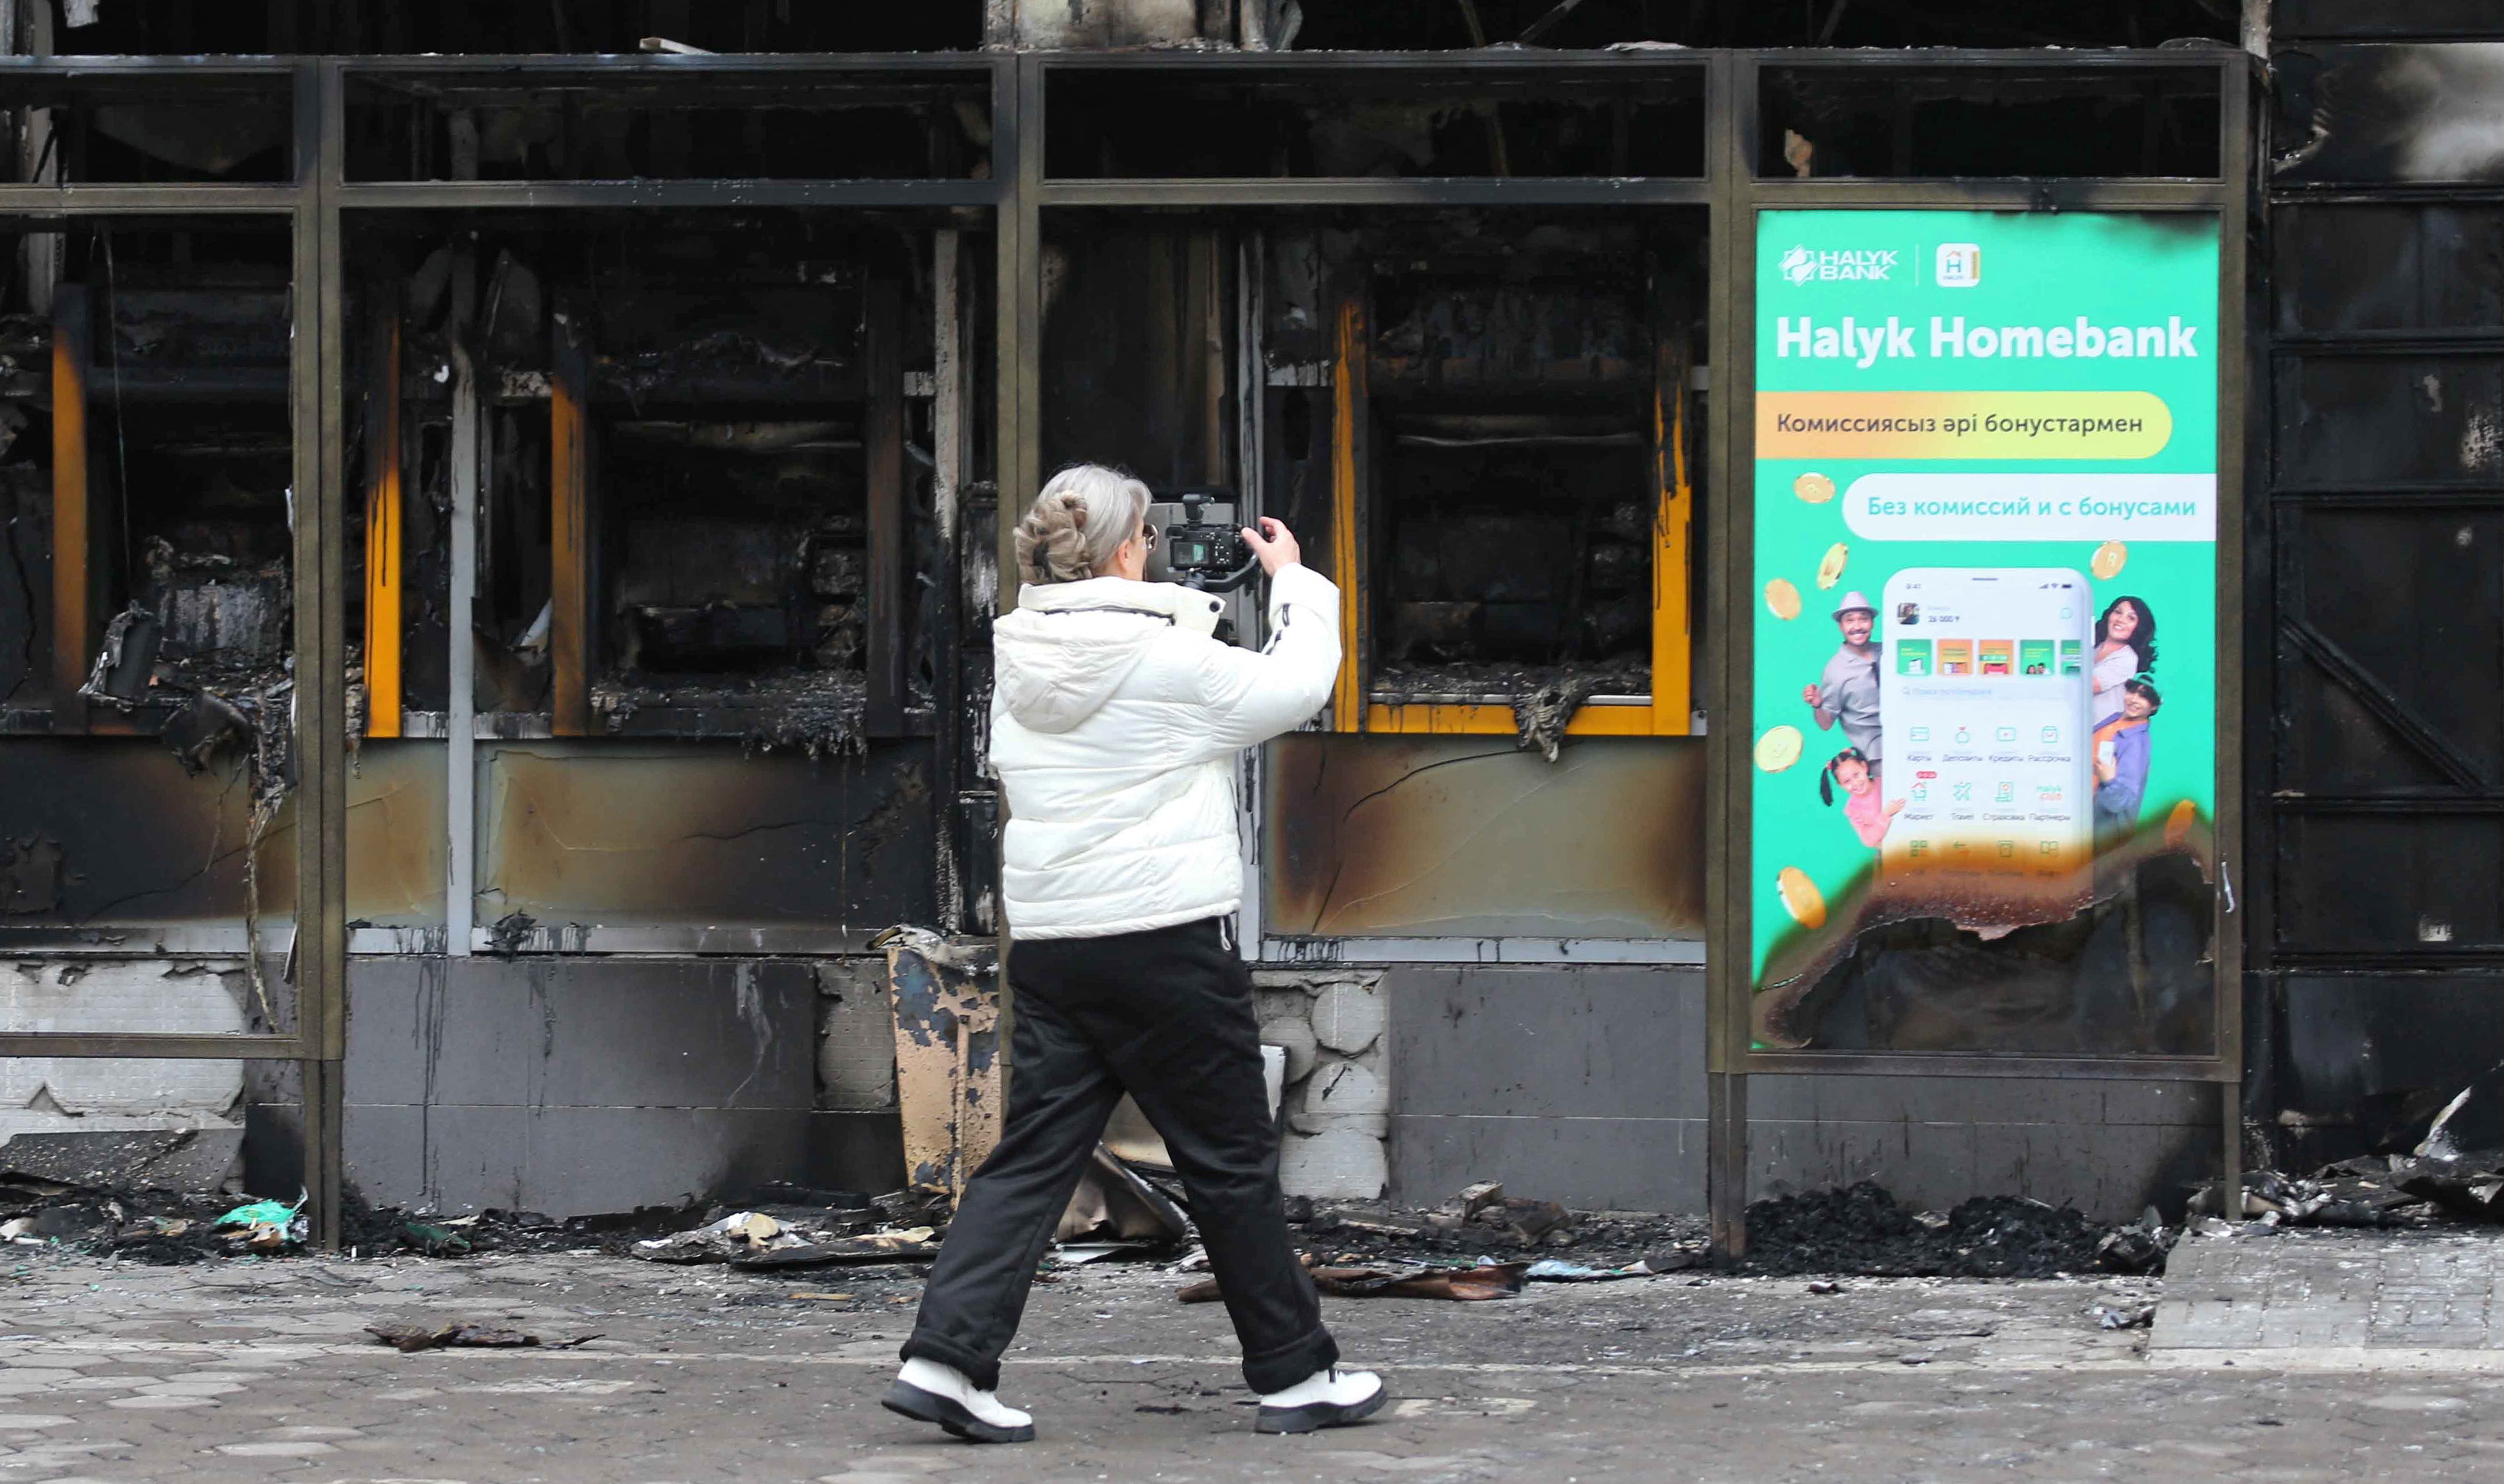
(1985, 732)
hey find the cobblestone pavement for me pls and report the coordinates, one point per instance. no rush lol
(2436, 1296)
(259, 1370)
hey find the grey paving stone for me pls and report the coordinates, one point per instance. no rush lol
(2290, 1290)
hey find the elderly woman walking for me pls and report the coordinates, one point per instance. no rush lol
(1115, 723)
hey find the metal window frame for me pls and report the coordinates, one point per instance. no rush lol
(318, 1043)
(991, 195)
(313, 203)
(318, 195)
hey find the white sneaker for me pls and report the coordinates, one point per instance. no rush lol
(1326, 1398)
(927, 1390)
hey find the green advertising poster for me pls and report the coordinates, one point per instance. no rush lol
(1985, 657)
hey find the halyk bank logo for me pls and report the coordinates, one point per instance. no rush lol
(1804, 264)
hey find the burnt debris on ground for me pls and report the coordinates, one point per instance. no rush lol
(2387, 1191)
(1859, 1231)
(1484, 1223)
(169, 1227)
(1863, 1230)
(2437, 1157)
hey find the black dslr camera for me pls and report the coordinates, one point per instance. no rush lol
(1199, 543)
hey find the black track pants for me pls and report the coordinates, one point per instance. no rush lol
(1166, 1015)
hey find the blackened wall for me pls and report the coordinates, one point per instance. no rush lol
(1587, 1086)
(572, 1087)
(2377, 775)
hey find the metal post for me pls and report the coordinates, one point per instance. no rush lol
(460, 732)
(1017, 137)
(2240, 153)
(1017, 148)
(1726, 968)
(2229, 1114)
(321, 650)
(883, 453)
(946, 638)
(1726, 1157)
(1251, 433)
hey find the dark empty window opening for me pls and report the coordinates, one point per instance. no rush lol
(739, 547)
(415, 126)
(696, 434)
(1824, 122)
(1510, 542)
(1340, 123)
(171, 130)
(1512, 454)
(163, 348)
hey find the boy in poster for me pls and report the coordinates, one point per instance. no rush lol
(1848, 691)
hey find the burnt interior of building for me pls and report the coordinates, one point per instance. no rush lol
(1511, 373)
(739, 411)
(1511, 395)
(695, 398)
(149, 387)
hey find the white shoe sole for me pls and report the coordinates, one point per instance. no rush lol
(1313, 1416)
(953, 1416)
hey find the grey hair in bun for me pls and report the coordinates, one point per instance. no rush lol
(1081, 517)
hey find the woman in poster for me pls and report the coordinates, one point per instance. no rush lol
(2124, 646)
(1870, 819)
(2123, 748)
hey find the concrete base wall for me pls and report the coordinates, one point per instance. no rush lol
(1587, 1086)
(575, 1087)
(588, 1085)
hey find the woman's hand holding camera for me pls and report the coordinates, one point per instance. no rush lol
(1275, 545)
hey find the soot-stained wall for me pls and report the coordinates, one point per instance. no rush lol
(1585, 1086)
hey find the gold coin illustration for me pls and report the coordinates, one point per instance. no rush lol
(2108, 561)
(1779, 749)
(1814, 488)
(1782, 599)
(1829, 572)
(1800, 897)
(2177, 824)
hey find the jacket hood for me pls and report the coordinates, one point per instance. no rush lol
(1069, 645)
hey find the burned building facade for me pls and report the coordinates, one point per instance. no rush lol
(503, 516)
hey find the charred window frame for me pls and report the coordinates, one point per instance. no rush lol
(165, 156)
(613, 146)
(1619, 138)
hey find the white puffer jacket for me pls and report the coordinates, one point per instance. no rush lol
(1115, 721)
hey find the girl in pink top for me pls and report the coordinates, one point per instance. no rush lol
(1860, 803)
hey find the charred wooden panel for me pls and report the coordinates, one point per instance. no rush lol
(1468, 836)
(2342, 269)
(2373, 882)
(2385, 791)
(611, 834)
(2383, 694)
(2424, 416)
